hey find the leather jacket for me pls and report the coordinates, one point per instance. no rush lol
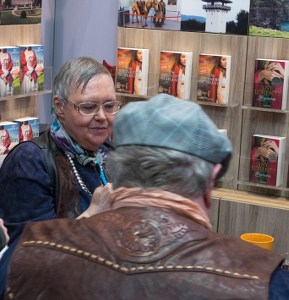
(136, 253)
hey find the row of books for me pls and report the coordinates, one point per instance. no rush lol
(21, 69)
(270, 85)
(246, 17)
(17, 131)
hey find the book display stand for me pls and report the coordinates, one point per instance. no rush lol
(239, 205)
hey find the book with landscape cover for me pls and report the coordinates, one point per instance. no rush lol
(213, 83)
(28, 128)
(31, 68)
(175, 73)
(267, 159)
(9, 71)
(270, 83)
(132, 68)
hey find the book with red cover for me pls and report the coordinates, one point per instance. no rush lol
(270, 83)
(132, 71)
(267, 159)
(213, 83)
(175, 73)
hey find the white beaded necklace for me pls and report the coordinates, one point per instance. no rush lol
(75, 172)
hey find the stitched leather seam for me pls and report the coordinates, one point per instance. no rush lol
(137, 269)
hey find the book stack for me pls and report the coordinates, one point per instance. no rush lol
(9, 136)
(175, 73)
(132, 71)
(267, 159)
(28, 128)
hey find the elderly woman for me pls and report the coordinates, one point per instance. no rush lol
(56, 174)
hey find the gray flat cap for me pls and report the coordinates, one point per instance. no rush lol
(168, 122)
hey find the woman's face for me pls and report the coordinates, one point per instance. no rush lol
(183, 59)
(88, 131)
(139, 55)
(223, 62)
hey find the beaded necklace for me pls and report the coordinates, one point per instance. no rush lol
(75, 172)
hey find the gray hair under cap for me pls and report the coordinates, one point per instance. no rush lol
(168, 122)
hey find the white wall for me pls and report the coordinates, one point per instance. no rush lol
(77, 28)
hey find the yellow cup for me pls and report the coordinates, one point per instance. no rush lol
(259, 239)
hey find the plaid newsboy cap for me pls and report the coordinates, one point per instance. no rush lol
(168, 122)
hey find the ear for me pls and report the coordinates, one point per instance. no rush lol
(208, 194)
(58, 106)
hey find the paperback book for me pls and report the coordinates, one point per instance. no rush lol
(270, 83)
(213, 83)
(132, 71)
(28, 128)
(267, 159)
(31, 68)
(175, 73)
(9, 136)
(9, 71)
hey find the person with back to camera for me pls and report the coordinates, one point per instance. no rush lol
(148, 235)
(55, 175)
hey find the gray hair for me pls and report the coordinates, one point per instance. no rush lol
(75, 73)
(159, 168)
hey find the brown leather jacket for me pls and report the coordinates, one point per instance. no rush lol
(136, 253)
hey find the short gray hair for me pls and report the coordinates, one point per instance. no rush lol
(77, 72)
(159, 168)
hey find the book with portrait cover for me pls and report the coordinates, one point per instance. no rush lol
(9, 71)
(270, 83)
(31, 68)
(267, 159)
(28, 128)
(132, 68)
(175, 73)
(9, 136)
(213, 83)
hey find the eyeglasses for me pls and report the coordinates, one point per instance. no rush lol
(92, 108)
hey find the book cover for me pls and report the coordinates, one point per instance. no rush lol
(270, 83)
(20, 12)
(28, 128)
(31, 68)
(223, 16)
(267, 159)
(213, 83)
(175, 73)
(9, 71)
(269, 18)
(132, 71)
(150, 14)
(9, 136)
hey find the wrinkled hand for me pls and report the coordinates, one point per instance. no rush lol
(100, 201)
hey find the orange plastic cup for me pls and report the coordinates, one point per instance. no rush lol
(259, 239)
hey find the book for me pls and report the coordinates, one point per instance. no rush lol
(270, 83)
(269, 18)
(175, 73)
(28, 128)
(267, 159)
(215, 16)
(9, 71)
(31, 68)
(132, 71)
(9, 136)
(213, 82)
(20, 12)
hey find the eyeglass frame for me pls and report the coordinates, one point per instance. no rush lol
(78, 108)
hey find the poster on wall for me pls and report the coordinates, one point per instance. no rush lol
(20, 12)
(150, 14)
